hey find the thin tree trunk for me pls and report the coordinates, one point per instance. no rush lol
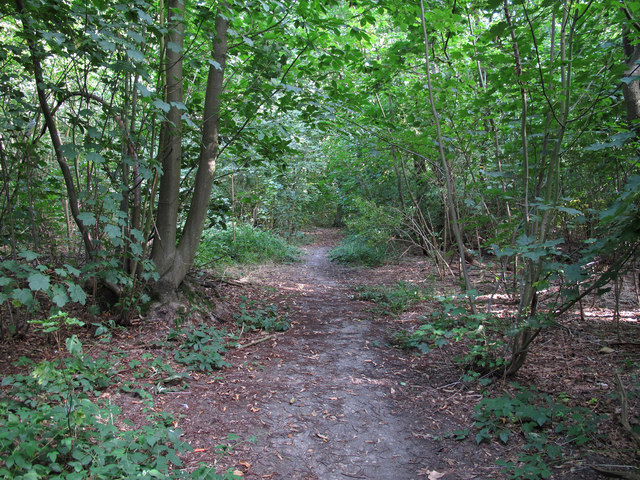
(10, 220)
(53, 130)
(539, 226)
(450, 200)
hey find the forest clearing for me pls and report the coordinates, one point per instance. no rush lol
(319, 239)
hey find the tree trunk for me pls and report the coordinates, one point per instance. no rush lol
(170, 151)
(52, 128)
(450, 200)
(631, 90)
(174, 262)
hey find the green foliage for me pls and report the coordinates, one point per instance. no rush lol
(371, 228)
(27, 284)
(267, 318)
(51, 428)
(249, 245)
(359, 250)
(482, 335)
(199, 348)
(393, 299)
(545, 423)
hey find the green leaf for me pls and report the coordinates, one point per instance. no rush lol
(4, 281)
(38, 281)
(571, 211)
(144, 91)
(77, 293)
(95, 157)
(628, 80)
(72, 270)
(144, 16)
(135, 55)
(23, 295)
(74, 346)
(28, 255)
(59, 296)
(113, 231)
(107, 45)
(174, 47)
(87, 218)
(164, 106)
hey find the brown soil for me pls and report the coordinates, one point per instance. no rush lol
(331, 399)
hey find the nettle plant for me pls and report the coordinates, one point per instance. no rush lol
(26, 284)
(53, 426)
(546, 424)
(267, 318)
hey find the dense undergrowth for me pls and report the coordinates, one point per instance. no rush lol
(57, 420)
(243, 244)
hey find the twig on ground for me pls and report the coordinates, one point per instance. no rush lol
(255, 342)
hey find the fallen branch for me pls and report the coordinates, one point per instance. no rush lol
(624, 414)
(205, 282)
(632, 474)
(255, 342)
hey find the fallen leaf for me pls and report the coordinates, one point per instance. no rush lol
(246, 465)
(198, 450)
(323, 437)
(238, 473)
(433, 475)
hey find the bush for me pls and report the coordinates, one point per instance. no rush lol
(544, 423)
(482, 335)
(250, 246)
(50, 427)
(360, 250)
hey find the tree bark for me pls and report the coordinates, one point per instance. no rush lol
(631, 90)
(174, 267)
(170, 151)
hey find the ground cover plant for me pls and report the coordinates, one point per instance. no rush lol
(393, 299)
(54, 425)
(360, 250)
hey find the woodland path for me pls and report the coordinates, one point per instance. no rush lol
(328, 399)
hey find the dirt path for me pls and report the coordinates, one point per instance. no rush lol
(327, 399)
(333, 414)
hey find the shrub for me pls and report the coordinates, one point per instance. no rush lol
(50, 427)
(545, 424)
(482, 335)
(250, 246)
(360, 250)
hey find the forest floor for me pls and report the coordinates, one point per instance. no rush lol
(330, 398)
